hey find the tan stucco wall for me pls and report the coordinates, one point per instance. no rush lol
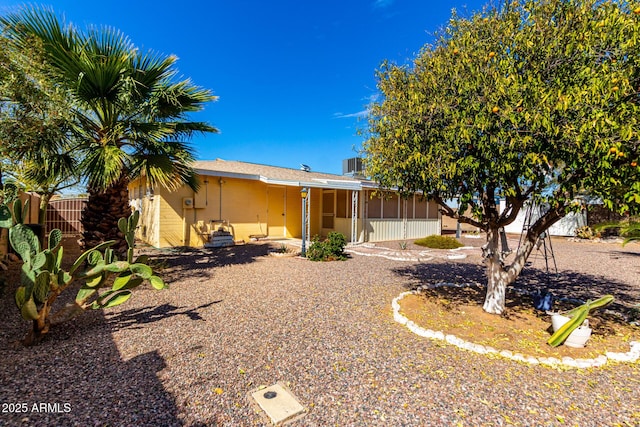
(252, 208)
(148, 230)
(165, 222)
(294, 212)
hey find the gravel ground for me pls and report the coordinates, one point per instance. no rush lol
(236, 318)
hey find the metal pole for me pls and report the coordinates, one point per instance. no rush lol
(304, 227)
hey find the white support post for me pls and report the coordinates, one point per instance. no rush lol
(308, 216)
(404, 219)
(354, 216)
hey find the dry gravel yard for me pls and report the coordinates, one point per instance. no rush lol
(237, 318)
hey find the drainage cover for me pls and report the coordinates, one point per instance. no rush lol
(279, 404)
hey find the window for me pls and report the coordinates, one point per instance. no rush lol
(390, 206)
(421, 206)
(343, 204)
(327, 208)
(375, 205)
(433, 210)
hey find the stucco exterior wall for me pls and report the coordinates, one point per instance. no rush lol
(294, 212)
(173, 218)
(149, 227)
(253, 208)
(166, 221)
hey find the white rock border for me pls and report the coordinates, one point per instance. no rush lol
(423, 256)
(631, 356)
(409, 255)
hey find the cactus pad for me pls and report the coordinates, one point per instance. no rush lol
(20, 233)
(55, 238)
(6, 220)
(41, 288)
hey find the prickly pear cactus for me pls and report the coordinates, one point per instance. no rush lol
(130, 274)
(21, 235)
(6, 219)
(107, 281)
(55, 238)
(128, 227)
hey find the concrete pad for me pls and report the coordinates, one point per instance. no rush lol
(279, 404)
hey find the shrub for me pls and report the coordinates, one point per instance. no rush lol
(329, 249)
(628, 228)
(584, 232)
(439, 242)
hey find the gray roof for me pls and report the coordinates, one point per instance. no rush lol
(278, 175)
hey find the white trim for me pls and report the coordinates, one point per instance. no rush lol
(354, 216)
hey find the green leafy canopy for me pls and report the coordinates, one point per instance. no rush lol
(534, 99)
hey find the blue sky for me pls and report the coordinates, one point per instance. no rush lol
(293, 77)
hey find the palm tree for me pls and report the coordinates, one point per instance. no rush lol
(131, 115)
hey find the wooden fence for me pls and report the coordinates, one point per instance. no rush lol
(65, 214)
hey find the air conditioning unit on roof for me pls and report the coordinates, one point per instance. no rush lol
(352, 167)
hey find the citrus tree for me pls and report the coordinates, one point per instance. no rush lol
(531, 101)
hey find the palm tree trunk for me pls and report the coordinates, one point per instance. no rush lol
(100, 216)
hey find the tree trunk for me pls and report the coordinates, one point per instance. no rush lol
(497, 278)
(100, 216)
(497, 282)
(500, 276)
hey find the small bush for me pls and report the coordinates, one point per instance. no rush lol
(330, 249)
(439, 242)
(584, 232)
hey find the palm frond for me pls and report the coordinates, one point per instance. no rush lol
(151, 68)
(103, 165)
(125, 103)
(164, 163)
(51, 171)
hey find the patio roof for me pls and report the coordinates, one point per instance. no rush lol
(279, 175)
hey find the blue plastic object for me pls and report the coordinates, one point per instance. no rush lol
(543, 301)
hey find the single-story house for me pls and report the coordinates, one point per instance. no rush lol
(259, 201)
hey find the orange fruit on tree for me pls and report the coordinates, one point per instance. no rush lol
(615, 88)
(613, 150)
(495, 109)
(634, 164)
(620, 154)
(492, 54)
(456, 51)
(637, 10)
